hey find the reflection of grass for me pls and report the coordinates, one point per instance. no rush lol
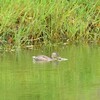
(27, 22)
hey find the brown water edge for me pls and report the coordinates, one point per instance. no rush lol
(31, 43)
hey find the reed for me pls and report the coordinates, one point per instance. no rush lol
(30, 22)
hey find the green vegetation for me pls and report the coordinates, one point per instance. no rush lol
(30, 22)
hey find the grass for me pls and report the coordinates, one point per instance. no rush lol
(30, 22)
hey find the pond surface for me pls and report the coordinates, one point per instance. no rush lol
(78, 78)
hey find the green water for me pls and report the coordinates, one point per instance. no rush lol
(75, 79)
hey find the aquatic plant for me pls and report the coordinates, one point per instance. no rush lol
(30, 22)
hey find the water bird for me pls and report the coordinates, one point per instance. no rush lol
(44, 58)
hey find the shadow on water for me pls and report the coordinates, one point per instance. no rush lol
(75, 79)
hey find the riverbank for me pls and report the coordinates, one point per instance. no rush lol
(24, 23)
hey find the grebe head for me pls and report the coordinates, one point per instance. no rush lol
(54, 55)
